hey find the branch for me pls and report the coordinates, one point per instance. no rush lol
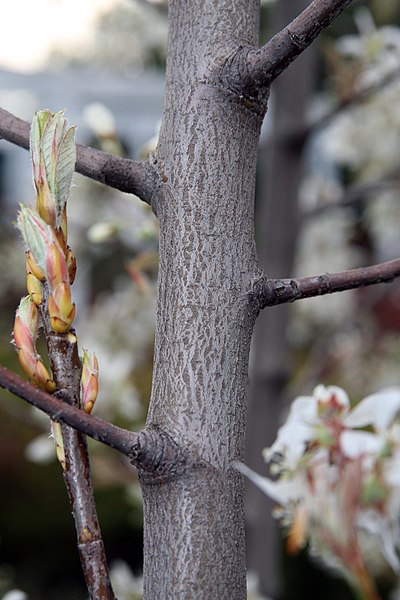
(270, 292)
(96, 428)
(66, 368)
(123, 174)
(358, 97)
(358, 192)
(152, 450)
(299, 134)
(265, 64)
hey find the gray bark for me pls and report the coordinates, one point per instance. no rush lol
(194, 521)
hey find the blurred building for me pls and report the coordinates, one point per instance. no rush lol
(135, 102)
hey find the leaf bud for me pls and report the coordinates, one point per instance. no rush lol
(71, 265)
(89, 381)
(61, 308)
(35, 288)
(33, 267)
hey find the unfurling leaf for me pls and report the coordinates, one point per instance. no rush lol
(53, 154)
(44, 247)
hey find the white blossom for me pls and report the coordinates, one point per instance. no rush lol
(335, 479)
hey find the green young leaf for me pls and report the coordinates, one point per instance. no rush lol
(53, 146)
(51, 138)
(66, 159)
(38, 124)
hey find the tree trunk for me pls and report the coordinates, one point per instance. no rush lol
(194, 517)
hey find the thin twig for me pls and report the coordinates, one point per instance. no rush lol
(152, 450)
(62, 412)
(299, 134)
(270, 292)
(358, 192)
(356, 98)
(124, 174)
(66, 368)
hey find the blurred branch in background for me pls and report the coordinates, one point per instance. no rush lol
(319, 150)
(277, 221)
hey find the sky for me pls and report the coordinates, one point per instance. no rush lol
(30, 28)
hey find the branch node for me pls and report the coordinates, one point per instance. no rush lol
(269, 292)
(65, 395)
(157, 457)
(233, 78)
(297, 40)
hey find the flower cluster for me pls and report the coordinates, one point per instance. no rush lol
(376, 50)
(50, 263)
(337, 475)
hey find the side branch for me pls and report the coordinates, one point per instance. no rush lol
(96, 428)
(358, 192)
(265, 64)
(152, 451)
(123, 174)
(269, 292)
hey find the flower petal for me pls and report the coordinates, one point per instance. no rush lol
(377, 409)
(282, 491)
(357, 443)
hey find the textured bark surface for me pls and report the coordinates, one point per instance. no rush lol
(194, 526)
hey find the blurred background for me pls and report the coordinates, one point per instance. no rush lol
(327, 200)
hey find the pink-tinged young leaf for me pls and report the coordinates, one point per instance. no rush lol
(42, 242)
(36, 371)
(59, 155)
(66, 159)
(56, 266)
(25, 332)
(36, 234)
(26, 325)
